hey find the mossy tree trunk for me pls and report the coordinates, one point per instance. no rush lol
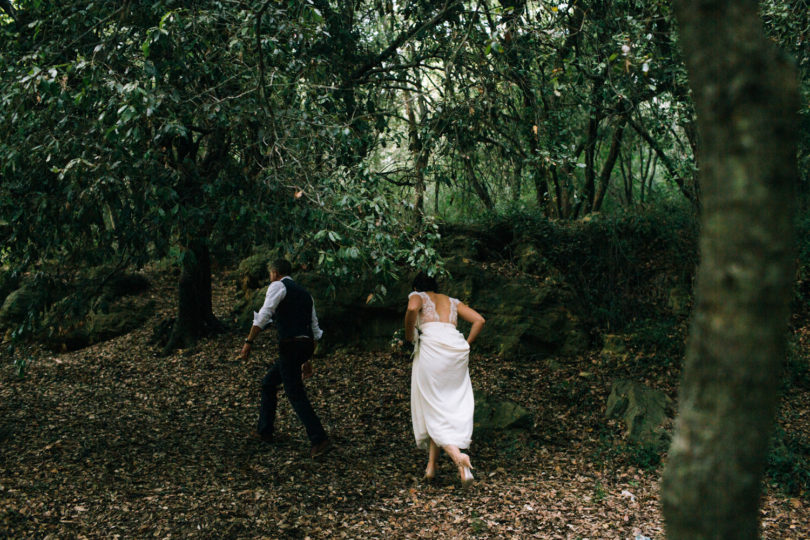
(420, 155)
(746, 100)
(195, 315)
(199, 162)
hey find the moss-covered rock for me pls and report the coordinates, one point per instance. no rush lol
(679, 301)
(33, 296)
(118, 318)
(18, 304)
(254, 271)
(529, 259)
(125, 284)
(243, 310)
(348, 314)
(8, 284)
(72, 317)
(493, 414)
(477, 242)
(466, 278)
(642, 409)
(526, 315)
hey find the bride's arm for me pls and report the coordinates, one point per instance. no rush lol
(414, 305)
(471, 316)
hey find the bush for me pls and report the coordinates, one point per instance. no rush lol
(646, 456)
(615, 450)
(622, 267)
(660, 337)
(797, 367)
(789, 463)
(801, 293)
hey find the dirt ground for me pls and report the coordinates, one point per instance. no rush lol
(115, 441)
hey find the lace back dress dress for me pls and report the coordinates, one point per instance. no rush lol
(442, 403)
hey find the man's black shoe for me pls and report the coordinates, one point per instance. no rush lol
(319, 449)
(264, 437)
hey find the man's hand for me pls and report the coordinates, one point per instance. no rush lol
(245, 352)
(306, 370)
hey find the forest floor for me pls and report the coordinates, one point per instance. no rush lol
(116, 441)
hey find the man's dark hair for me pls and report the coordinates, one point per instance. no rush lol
(282, 266)
(424, 282)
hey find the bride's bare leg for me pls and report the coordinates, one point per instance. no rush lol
(453, 452)
(433, 454)
(462, 461)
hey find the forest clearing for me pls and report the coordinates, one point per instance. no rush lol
(118, 441)
(613, 194)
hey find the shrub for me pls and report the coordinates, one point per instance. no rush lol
(789, 463)
(622, 267)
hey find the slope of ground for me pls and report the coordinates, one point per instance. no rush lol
(115, 441)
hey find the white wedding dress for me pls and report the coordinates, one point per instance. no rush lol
(441, 392)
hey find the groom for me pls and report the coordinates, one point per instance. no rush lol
(297, 324)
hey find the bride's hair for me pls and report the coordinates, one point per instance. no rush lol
(424, 282)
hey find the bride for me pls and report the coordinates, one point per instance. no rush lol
(441, 392)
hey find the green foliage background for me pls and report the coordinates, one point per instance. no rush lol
(343, 132)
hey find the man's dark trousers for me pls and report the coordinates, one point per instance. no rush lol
(287, 372)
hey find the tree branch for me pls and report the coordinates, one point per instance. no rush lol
(400, 40)
(664, 158)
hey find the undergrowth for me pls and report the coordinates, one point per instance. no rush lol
(789, 463)
(622, 267)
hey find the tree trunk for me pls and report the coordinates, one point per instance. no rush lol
(436, 198)
(419, 160)
(746, 101)
(558, 197)
(683, 184)
(563, 176)
(195, 315)
(517, 181)
(517, 71)
(421, 164)
(590, 154)
(607, 168)
(595, 118)
(627, 176)
(478, 185)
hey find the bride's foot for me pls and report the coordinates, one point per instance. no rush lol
(430, 473)
(464, 470)
(466, 476)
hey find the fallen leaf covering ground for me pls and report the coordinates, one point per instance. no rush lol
(115, 441)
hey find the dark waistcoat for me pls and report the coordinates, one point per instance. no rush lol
(294, 314)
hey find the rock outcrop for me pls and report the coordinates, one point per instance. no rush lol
(642, 409)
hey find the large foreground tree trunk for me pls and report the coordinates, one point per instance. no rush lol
(746, 102)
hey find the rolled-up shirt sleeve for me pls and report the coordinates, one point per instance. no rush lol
(275, 294)
(316, 329)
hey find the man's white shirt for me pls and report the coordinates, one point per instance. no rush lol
(275, 294)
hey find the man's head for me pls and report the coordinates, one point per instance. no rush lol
(280, 268)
